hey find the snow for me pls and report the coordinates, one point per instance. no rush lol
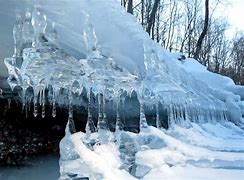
(185, 154)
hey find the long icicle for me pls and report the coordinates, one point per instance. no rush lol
(143, 121)
(90, 127)
(100, 115)
(54, 110)
(70, 118)
(43, 103)
(35, 104)
(158, 121)
(119, 124)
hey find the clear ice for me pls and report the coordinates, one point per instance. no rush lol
(40, 63)
(170, 96)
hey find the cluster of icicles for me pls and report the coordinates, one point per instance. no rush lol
(161, 111)
(29, 32)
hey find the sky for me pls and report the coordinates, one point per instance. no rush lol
(236, 14)
(234, 11)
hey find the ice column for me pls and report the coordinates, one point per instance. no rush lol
(158, 122)
(35, 98)
(70, 118)
(143, 121)
(90, 40)
(27, 31)
(17, 35)
(39, 22)
(90, 127)
(118, 125)
(102, 122)
(53, 35)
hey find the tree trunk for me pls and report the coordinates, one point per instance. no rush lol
(142, 13)
(204, 32)
(130, 6)
(123, 3)
(152, 16)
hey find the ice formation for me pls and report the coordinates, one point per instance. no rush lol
(40, 62)
(109, 61)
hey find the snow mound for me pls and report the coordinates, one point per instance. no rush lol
(156, 153)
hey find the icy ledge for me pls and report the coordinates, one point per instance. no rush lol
(111, 70)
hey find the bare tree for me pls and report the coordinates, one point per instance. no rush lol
(151, 19)
(130, 6)
(204, 31)
(123, 3)
(238, 58)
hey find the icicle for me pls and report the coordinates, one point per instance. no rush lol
(170, 115)
(29, 106)
(1, 93)
(23, 98)
(35, 111)
(54, 111)
(181, 114)
(123, 106)
(104, 108)
(43, 103)
(174, 119)
(143, 121)
(186, 113)
(43, 110)
(119, 124)
(225, 115)
(90, 127)
(70, 118)
(17, 35)
(101, 123)
(100, 115)
(26, 110)
(9, 103)
(40, 97)
(158, 121)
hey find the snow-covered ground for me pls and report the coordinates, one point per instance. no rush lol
(207, 151)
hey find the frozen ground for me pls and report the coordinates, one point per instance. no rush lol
(207, 151)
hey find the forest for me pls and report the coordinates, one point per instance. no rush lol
(192, 28)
